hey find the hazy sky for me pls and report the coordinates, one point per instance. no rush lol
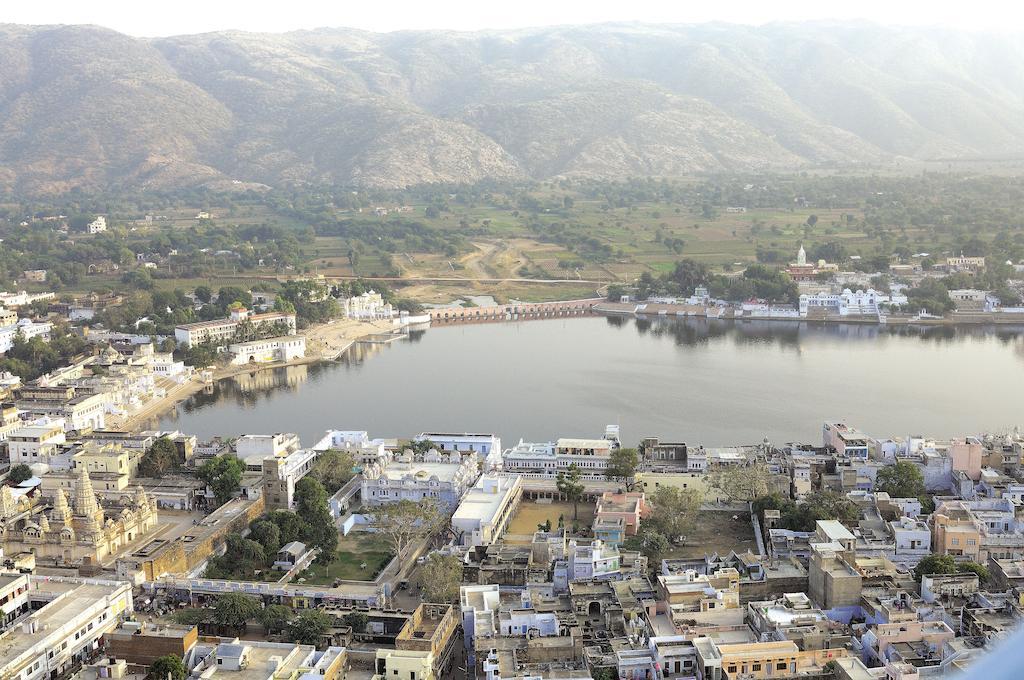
(146, 18)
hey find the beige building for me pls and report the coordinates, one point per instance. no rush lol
(779, 659)
(650, 482)
(74, 530)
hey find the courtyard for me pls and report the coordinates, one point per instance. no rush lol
(360, 557)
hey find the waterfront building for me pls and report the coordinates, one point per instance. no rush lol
(442, 477)
(269, 350)
(591, 456)
(367, 307)
(223, 331)
(67, 620)
(251, 449)
(486, 509)
(482, 444)
(849, 303)
(847, 441)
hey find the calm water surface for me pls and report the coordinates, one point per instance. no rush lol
(708, 382)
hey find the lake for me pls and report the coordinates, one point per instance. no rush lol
(710, 382)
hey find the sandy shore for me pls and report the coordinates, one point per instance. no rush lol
(323, 342)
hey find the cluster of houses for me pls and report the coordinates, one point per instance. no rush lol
(840, 599)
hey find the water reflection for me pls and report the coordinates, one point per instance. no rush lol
(710, 381)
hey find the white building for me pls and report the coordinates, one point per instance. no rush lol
(913, 541)
(259, 660)
(98, 225)
(22, 298)
(27, 329)
(442, 477)
(251, 449)
(486, 509)
(595, 559)
(222, 331)
(70, 617)
(40, 444)
(270, 350)
(483, 444)
(850, 303)
(164, 365)
(591, 456)
(370, 305)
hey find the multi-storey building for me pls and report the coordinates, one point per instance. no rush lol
(223, 331)
(486, 509)
(442, 477)
(64, 629)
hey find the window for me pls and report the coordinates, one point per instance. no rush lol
(755, 667)
(780, 666)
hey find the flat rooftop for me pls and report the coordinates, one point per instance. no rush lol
(481, 504)
(62, 611)
(445, 472)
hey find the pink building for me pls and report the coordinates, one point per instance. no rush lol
(967, 454)
(630, 507)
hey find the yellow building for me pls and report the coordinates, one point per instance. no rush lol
(111, 459)
(780, 659)
(649, 482)
(954, 532)
(404, 664)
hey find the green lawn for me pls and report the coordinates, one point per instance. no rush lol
(353, 552)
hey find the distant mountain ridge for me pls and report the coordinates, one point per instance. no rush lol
(86, 107)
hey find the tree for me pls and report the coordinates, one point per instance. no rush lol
(902, 480)
(234, 610)
(741, 482)
(980, 569)
(309, 627)
(19, 473)
(192, 616)
(935, 564)
(651, 543)
(333, 469)
(160, 458)
(311, 506)
(440, 577)
(275, 618)
(267, 534)
(402, 522)
(622, 464)
(223, 474)
(673, 511)
(167, 667)
(356, 621)
(291, 526)
(203, 294)
(571, 486)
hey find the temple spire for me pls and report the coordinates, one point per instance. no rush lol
(61, 510)
(85, 497)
